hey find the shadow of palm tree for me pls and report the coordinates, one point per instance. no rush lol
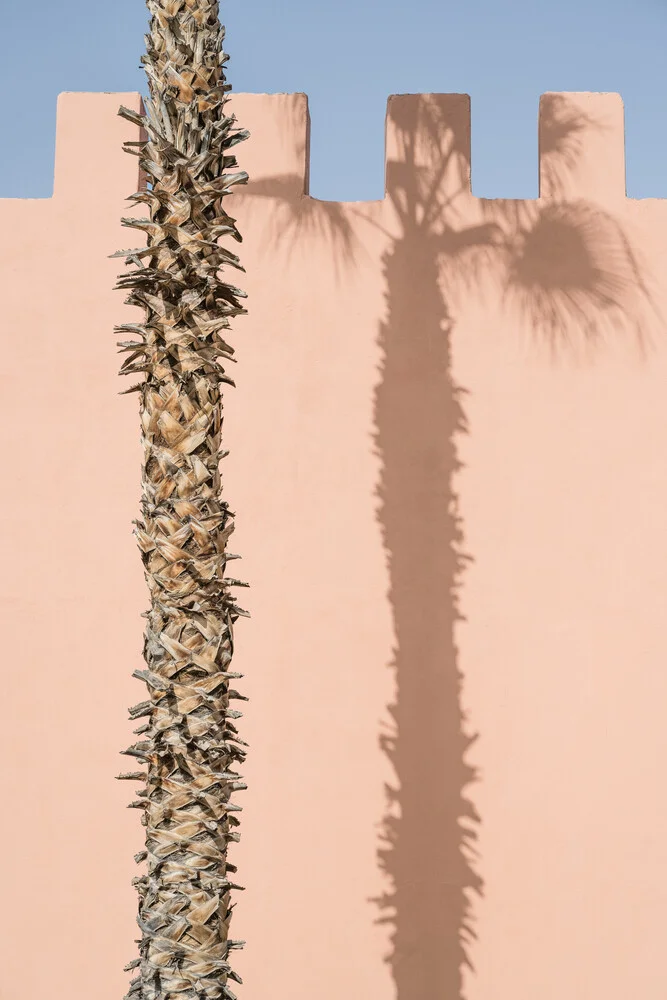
(562, 263)
(427, 839)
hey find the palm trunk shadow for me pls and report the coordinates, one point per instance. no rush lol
(428, 833)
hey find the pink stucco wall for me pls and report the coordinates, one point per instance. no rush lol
(449, 468)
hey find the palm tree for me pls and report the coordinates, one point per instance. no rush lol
(189, 741)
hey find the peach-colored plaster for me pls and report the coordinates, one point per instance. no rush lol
(448, 466)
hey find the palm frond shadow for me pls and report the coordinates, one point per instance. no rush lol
(562, 264)
(562, 128)
(567, 267)
(575, 278)
(296, 216)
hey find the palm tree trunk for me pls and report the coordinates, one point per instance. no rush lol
(188, 741)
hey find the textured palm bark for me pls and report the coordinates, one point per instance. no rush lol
(189, 741)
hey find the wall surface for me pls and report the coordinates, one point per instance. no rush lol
(449, 467)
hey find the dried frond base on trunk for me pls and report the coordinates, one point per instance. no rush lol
(189, 742)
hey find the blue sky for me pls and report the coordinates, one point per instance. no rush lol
(349, 56)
